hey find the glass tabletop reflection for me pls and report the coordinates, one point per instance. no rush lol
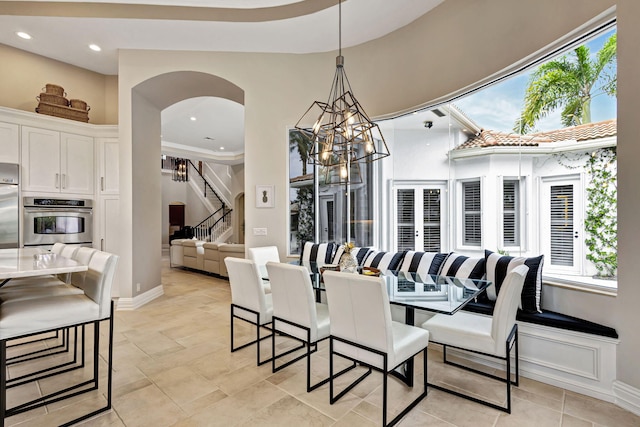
(431, 292)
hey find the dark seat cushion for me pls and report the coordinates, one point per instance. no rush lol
(548, 318)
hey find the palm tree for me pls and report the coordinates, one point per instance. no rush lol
(571, 81)
(301, 143)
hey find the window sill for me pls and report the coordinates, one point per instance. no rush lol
(583, 284)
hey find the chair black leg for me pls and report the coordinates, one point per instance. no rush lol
(256, 341)
(69, 392)
(3, 380)
(511, 342)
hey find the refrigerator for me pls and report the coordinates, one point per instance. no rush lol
(9, 208)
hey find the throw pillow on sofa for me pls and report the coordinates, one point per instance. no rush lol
(463, 267)
(384, 261)
(320, 253)
(498, 266)
(423, 262)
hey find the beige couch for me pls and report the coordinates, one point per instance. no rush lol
(233, 250)
(193, 254)
(204, 256)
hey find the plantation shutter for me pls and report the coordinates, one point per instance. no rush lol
(405, 219)
(431, 220)
(472, 217)
(510, 210)
(562, 225)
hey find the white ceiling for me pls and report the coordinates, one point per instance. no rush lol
(284, 26)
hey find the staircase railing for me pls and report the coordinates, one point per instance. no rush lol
(207, 189)
(220, 226)
(214, 226)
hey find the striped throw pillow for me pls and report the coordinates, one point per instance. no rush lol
(498, 266)
(320, 253)
(423, 262)
(463, 267)
(384, 261)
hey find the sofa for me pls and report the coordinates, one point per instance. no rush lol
(206, 257)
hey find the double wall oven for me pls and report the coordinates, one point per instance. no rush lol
(49, 220)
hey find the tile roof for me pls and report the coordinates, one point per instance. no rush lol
(589, 131)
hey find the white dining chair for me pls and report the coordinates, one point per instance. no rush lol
(362, 330)
(41, 287)
(249, 302)
(297, 315)
(261, 256)
(57, 248)
(26, 317)
(495, 336)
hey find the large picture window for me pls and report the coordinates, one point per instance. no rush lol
(530, 159)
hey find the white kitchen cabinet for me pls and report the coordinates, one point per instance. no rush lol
(108, 171)
(108, 229)
(10, 143)
(57, 162)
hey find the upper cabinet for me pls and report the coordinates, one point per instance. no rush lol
(108, 171)
(57, 162)
(10, 143)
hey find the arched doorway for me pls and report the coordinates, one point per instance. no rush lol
(148, 99)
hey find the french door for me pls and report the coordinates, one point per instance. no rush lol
(328, 232)
(561, 219)
(419, 213)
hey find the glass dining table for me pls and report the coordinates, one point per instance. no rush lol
(413, 291)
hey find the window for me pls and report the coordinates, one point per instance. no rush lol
(510, 212)
(405, 219)
(419, 211)
(472, 213)
(531, 175)
(319, 209)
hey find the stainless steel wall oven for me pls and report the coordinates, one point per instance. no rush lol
(49, 220)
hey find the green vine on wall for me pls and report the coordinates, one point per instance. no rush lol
(601, 219)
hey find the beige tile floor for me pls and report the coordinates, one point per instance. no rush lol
(173, 367)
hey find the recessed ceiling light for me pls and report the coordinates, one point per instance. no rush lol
(222, 148)
(193, 119)
(95, 47)
(23, 35)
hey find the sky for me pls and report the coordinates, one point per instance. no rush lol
(498, 106)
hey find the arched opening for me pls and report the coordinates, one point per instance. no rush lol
(148, 99)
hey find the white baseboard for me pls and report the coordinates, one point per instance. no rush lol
(128, 304)
(627, 397)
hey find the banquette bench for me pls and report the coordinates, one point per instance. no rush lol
(492, 266)
(555, 348)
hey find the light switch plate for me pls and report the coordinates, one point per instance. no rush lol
(259, 231)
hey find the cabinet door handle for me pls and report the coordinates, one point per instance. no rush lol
(57, 180)
(64, 180)
(102, 244)
(102, 183)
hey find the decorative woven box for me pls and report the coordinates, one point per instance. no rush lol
(52, 89)
(50, 98)
(79, 104)
(62, 112)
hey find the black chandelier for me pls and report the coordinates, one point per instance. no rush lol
(179, 170)
(342, 133)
